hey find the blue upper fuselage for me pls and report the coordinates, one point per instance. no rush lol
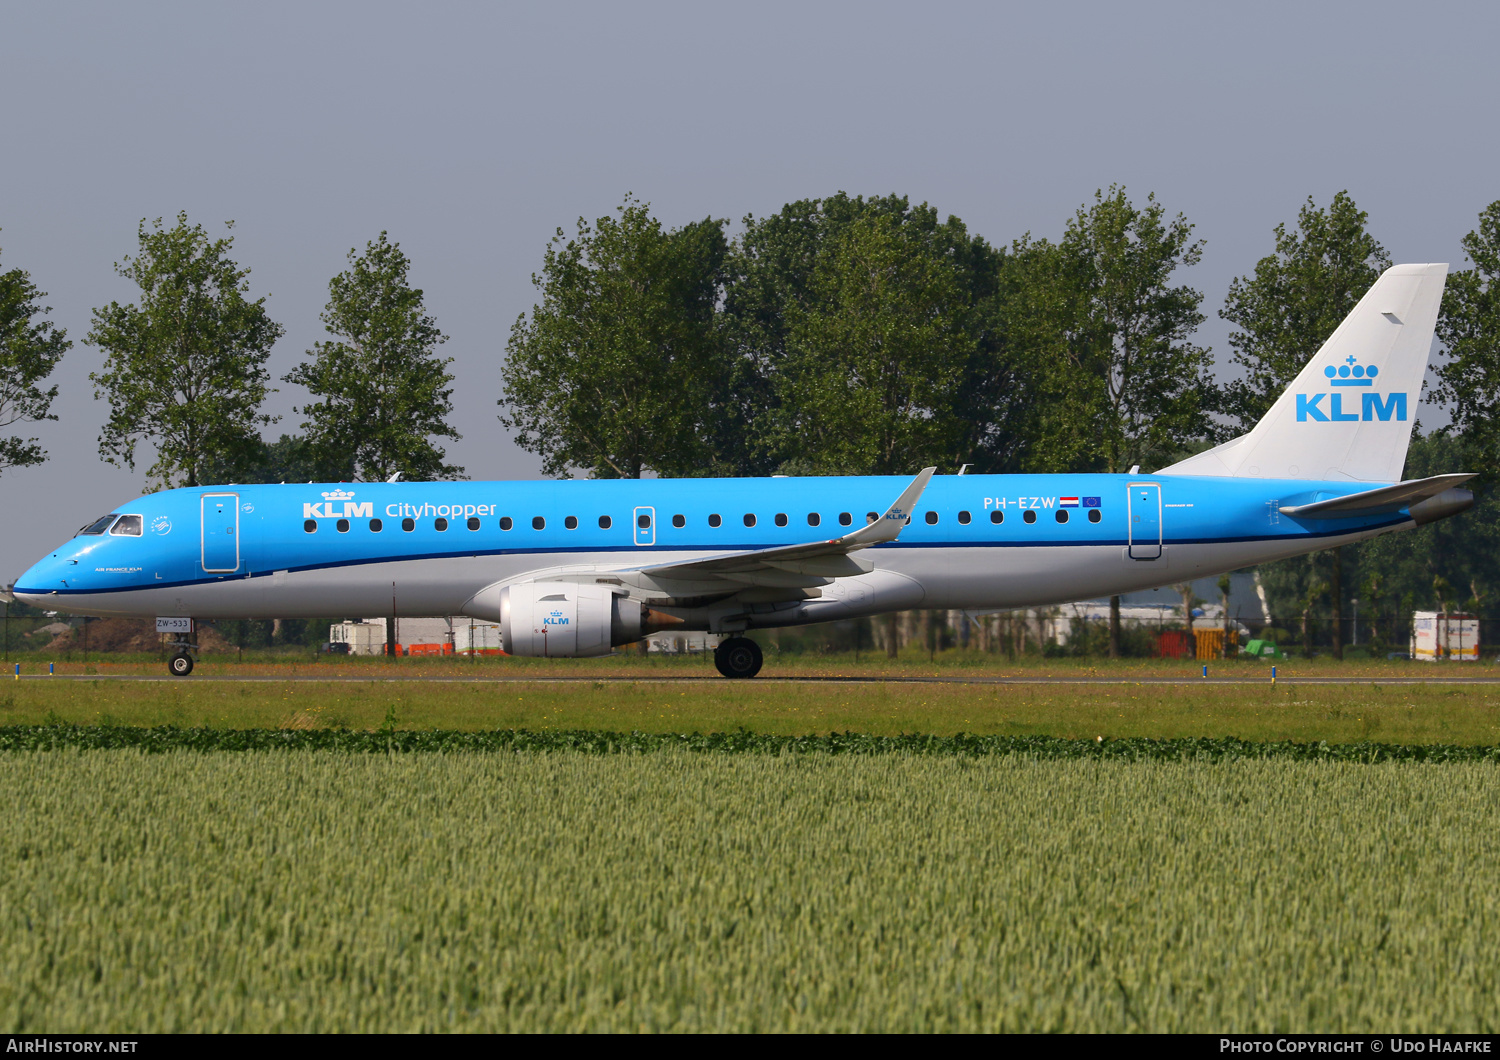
(207, 534)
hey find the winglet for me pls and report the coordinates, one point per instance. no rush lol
(888, 527)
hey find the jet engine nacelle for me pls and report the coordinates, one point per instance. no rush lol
(562, 619)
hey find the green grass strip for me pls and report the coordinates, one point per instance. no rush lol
(585, 741)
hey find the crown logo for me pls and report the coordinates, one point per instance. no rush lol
(1351, 373)
(338, 495)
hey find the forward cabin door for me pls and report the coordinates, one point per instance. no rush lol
(1143, 508)
(221, 533)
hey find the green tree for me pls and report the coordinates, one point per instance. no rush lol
(770, 273)
(383, 393)
(1469, 327)
(1028, 408)
(291, 458)
(779, 279)
(1149, 388)
(30, 348)
(1294, 301)
(1129, 387)
(875, 355)
(184, 369)
(616, 370)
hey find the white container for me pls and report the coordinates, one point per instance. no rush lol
(1437, 635)
(363, 638)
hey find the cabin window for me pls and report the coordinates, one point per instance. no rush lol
(714, 520)
(342, 526)
(845, 518)
(505, 522)
(679, 521)
(98, 526)
(128, 526)
(781, 518)
(473, 523)
(749, 520)
(1029, 515)
(408, 525)
(1062, 515)
(571, 522)
(440, 524)
(310, 526)
(813, 518)
(376, 526)
(1095, 515)
(538, 523)
(997, 516)
(605, 522)
(643, 521)
(871, 517)
(932, 518)
(964, 518)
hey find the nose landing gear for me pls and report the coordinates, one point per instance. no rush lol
(738, 657)
(180, 662)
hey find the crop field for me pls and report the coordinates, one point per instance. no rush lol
(1403, 714)
(330, 849)
(680, 890)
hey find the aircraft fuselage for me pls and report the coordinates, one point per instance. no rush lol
(415, 549)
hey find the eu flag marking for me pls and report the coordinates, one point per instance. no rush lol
(1091, 502)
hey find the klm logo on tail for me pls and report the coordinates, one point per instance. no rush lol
(1372, 406)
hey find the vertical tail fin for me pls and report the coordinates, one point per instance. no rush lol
(1349, 413)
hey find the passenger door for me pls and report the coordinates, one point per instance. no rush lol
(221, 532)
(1143, 512)
(645, 526)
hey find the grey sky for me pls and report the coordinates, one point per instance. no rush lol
(470, 132)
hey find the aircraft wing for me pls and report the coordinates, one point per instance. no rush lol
(1376, 501)
(815, 559)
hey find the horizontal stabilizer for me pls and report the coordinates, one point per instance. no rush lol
(1376, 501)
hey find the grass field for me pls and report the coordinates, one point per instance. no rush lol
(317, 891)
(1435, 713)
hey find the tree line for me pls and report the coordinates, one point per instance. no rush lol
(844, 335)
(184, 369)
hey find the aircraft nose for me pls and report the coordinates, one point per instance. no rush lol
(44, 578)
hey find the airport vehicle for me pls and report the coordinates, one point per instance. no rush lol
(574, 568)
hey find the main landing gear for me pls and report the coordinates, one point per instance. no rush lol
(738, 657)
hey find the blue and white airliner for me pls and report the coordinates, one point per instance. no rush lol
(575, 568)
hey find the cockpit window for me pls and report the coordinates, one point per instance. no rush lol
(98, 526)
(128, 526)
